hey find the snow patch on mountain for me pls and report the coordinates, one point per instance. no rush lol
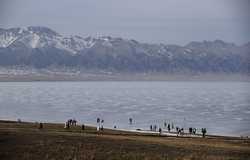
(38, 37)
(34, 41)
(7, 39)
(19, 47)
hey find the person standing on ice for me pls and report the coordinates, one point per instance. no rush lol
(67, 125)
(155, 128)
(102, 124)
(204, 131)
(194, 130)
(98, 124)
(169, 128)
(160, 131)
(130, 121)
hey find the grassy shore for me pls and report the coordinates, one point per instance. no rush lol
(25, 141)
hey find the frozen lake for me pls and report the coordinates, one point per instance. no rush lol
(222, 107)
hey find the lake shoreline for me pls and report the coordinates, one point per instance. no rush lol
(26, 141)
(123, 77)
(164, 133)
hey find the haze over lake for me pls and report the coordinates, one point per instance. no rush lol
(222, 107)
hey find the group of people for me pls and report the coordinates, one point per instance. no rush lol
(166, 125)
(192, 130)
(100, 124)
(70, 122)
(179, 131)
(169, 126)
(155, 128)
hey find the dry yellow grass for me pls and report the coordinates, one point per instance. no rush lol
(26, 141)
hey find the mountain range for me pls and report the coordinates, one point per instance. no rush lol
(40, 47)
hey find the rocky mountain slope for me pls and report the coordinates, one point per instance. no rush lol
(41, 47)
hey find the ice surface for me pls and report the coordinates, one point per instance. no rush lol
(221, 107)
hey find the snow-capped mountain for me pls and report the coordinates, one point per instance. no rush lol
(40, 37)
(41, 47)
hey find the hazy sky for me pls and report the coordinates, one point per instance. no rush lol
(155, 21)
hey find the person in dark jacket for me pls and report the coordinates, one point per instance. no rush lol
(40, 125)
(98, 120)
(190, 130)
(204, 131)
(130, 121)
(151, 128)
(169, 128)
(160, 131)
